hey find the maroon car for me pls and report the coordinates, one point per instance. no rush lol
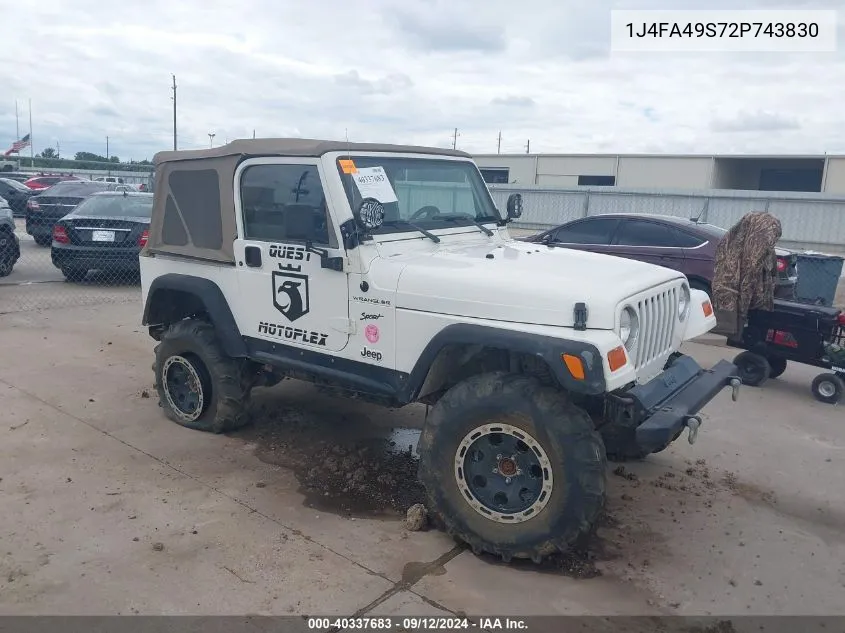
(677, 243)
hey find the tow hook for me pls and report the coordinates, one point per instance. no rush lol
(735, 385)
(693, 422)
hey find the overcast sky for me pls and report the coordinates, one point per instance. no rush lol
(406, 71)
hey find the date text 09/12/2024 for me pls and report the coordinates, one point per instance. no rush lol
(410, 623)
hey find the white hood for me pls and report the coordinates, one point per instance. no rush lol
(522, 283)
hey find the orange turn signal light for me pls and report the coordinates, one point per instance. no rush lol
(617, 358)
(575, 366)
(708, 308)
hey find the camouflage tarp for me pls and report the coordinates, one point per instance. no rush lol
(745, 271)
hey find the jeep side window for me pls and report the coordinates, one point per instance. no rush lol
(270, 192)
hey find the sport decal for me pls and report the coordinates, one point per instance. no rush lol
(292, 333)
(372, 333)
(290, 294)
(371, 317)
(369, 353)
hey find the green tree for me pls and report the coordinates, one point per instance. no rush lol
(91, 157)
(48, 152)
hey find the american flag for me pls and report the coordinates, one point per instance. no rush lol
(17, 146)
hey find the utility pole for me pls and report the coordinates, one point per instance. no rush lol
(107, 148)
(31, 144)
(174, 112)
(211, 136)
(528, 147)
(58, 149)
(455, 140)
(499, 146)
(253, 135)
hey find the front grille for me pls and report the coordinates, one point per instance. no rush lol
(658, 315)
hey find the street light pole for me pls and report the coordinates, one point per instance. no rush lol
(174, 112)
(211, 136)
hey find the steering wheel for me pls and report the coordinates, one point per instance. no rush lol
(429, 211)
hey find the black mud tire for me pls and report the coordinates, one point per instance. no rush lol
(828, 388)
(74, 274)
(777, 365)
(566, 435)
(7, 264)
(43, 241)
(223, 380)
(754, 369)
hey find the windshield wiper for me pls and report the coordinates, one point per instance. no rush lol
(430, 236)
(457, 217)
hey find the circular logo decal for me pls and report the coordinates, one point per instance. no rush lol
(371, 332)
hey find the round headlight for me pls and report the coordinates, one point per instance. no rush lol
(628, 325)
(683, 302)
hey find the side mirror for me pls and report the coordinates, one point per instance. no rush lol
(369, 215)
(514, 206)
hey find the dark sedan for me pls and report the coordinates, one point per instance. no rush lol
(105, 232)
(45, 208)
(16, 194)
(677, 243)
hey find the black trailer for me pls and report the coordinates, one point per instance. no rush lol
(807, 334)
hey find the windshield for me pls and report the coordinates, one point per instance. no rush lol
(431, 193)
(14, 184)
(116, 207)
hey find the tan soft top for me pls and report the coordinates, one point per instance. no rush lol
(297, 147)
(194, 204)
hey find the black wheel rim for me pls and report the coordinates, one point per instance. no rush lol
(503, 473)
(183, 388)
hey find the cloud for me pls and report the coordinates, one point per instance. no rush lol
(759, 121)
(514, 101)
(444, 27)
(393, 71)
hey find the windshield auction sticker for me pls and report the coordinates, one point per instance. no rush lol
(372, 182)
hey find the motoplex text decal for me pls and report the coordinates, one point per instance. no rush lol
(290, 286)
(293, 334)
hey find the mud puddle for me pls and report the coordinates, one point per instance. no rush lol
(345, 464)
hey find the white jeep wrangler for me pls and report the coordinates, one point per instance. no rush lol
(387, 273)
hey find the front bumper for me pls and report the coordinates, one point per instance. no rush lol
(661, 409)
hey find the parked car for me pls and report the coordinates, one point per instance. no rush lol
(116, 179)
(38, 183)
(16, 194)
(677, 243)
(46, 208)
(19, 176)
(8, 165)
(10, 248)
(106, 232)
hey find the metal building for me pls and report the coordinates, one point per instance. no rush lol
(820, 173)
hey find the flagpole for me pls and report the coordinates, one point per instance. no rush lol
(31, 144)
(17, 122)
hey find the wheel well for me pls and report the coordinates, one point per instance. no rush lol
(168, 305)
(457, 362)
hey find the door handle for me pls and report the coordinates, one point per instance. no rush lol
(252, 256)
